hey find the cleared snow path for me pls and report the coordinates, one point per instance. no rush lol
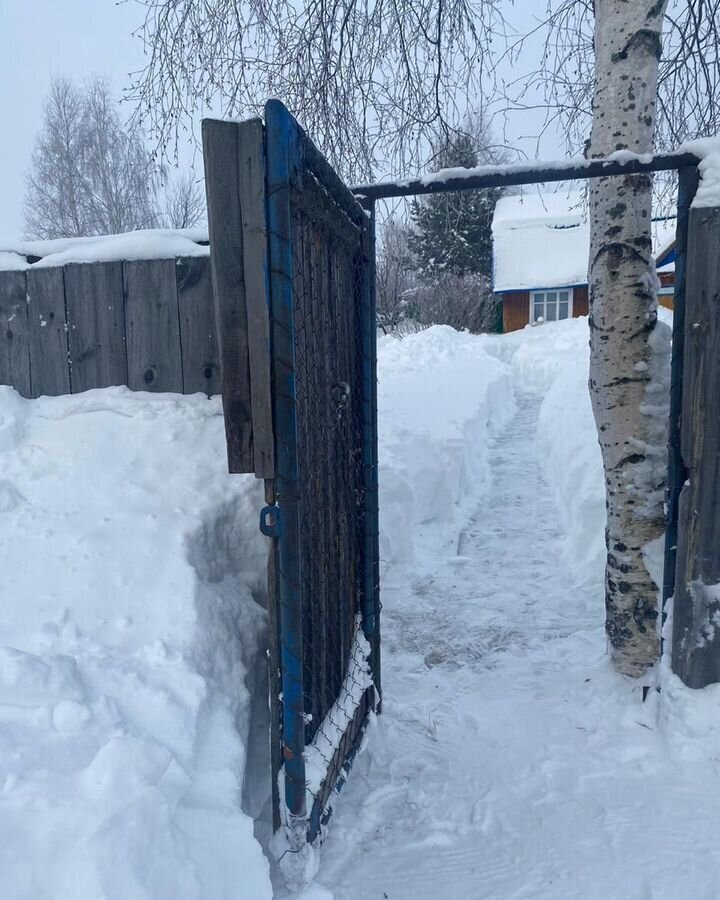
(511, 761)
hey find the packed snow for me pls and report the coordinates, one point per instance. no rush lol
(510, 759)
(158, 243)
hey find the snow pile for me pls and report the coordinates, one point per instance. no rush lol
(441, 397)
(129, 638)
(158, 243)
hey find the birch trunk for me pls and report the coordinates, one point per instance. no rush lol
(629, 349)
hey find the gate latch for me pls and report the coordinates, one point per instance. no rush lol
(270, 521)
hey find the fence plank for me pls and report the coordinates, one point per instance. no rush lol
(198, 334)
(47, 329)
(254, 241)
(222, 164)
(14, 349)
(152, 326)
(96, 325)
(696, 607)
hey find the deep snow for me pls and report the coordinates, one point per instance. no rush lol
(129, 563)
(510, 761)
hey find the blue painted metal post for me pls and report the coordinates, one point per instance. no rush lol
(687, 186)
(283, 160)
(371, 587)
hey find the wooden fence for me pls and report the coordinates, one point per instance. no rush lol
(696, 607)
(148, 324)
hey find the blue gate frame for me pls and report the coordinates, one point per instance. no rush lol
(295, 170)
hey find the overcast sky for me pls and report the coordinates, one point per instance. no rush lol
(77, 39)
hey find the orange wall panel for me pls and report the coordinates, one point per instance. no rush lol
(516, 310)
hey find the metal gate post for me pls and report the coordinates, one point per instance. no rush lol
(687, 186)
(282, 155)
(371, 585)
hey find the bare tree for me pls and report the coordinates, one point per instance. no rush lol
(395, 275)
(367, 80)
(461, 301)
(54, 204)
(184, 202)
(90, 173)
(688, 79)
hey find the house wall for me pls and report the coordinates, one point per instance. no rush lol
(667, 279)
(516, 310)
(516, 307)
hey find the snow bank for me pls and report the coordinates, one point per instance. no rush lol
(129, 564)
(553, 359)
(441, 397)
(158, 243)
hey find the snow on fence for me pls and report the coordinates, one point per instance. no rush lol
(133, 309)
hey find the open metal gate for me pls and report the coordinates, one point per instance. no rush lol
(299, 389)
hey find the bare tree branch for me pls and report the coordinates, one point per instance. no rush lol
(367, 80)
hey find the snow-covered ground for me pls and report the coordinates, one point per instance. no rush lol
(510, 761)
(129, 637)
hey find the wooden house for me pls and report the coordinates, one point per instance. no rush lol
(540, 255)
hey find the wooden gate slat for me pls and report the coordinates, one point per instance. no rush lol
(254, 240)
(152, 326)
(220, 152)
(47, 329)
(96, 325)
(14, 347)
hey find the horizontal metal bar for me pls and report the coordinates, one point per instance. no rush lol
(531, 173)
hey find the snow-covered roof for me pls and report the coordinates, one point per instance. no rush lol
(157, 243)
(543, 241)
(664, 242)
(540, 240)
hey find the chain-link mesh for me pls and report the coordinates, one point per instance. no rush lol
(328, 310)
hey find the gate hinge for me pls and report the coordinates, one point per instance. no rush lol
(270, 521)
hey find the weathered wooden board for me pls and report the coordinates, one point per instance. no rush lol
(254, 242)
(96, 325)
(14, 349)
(152, 326)
(47, 331)
(198, 334)
(696, 607)
(221, 156)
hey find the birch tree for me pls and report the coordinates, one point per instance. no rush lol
(640, 76)
(629, 349)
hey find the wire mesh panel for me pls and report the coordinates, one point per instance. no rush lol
(324, 515)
